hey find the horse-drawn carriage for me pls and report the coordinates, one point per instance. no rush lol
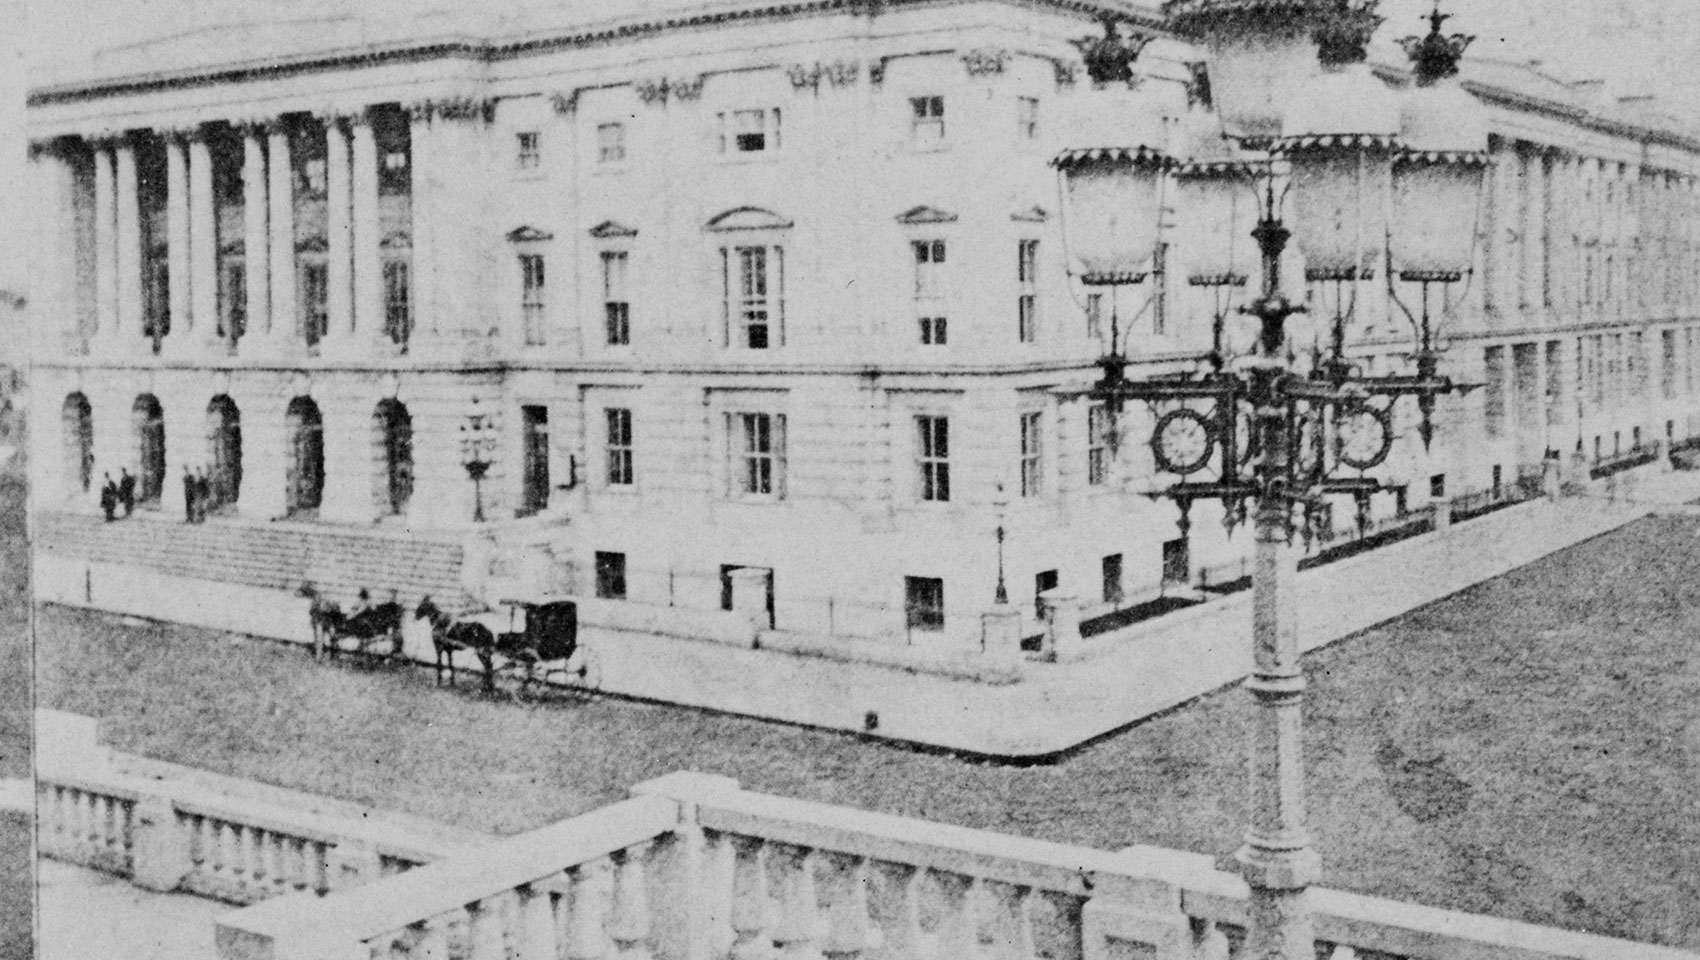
(368, 627)
(542, 648)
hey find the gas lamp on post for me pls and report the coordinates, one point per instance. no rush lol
(1376, 182)
(478, 439)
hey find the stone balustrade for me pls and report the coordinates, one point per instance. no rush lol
(693, 868)
(172, 831)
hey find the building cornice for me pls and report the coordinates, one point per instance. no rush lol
(488, 50)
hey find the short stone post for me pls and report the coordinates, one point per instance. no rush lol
(1442, 513)
(749, 596)
(1134, 916)
(1062, 625)
(352, 863)
(1000, 637)
(159, 846)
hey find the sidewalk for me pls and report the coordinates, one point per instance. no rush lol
(1125, 677)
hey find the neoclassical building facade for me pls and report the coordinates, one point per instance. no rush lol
(777, 288)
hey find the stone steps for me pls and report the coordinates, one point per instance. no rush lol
(277, 557)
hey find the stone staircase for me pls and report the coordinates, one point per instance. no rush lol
(276, 556)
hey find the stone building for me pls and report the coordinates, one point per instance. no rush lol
(777, 288)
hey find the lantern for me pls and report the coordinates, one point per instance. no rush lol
(1113, 177)
(1257, 53)
(1216, 199)
(1437, 178)
(1339, 137)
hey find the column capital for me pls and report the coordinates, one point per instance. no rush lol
(338, 114)
(257, 125)
(181, 131)
(454, 107)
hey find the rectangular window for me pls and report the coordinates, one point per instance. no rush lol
(233, 301)
(749, 131)
(926, 121)
(313, 171)
(1097, 444)
(1667, 371)
(528, 155)
(929, 290)
(315, 314)
(534, 466)
(1031, 459)
(1027, 118)
(1043, 582)
(932, 457)
(1177, 561)
(610, 575)
(1095, 316)
(615, 307)
(1112, 569)
(923, 603)
(1027, 271)
(398, 301)
(531, 301)
(610, 142)
(1493, 363)
(1160, 290)
(759, 454)
(754, 279)
(619, 446)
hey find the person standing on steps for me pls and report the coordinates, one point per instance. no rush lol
(109, 499)
(127, 490)
(188, 495)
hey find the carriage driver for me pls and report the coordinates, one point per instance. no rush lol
(362, 604)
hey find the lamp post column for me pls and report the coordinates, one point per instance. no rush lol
(1277, 860)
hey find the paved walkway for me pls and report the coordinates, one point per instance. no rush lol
(1126, 676)
(89, 915)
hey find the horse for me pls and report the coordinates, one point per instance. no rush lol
(369, 626)
(450, 636)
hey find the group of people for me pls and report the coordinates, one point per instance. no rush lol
(115, 494)
(200, 495)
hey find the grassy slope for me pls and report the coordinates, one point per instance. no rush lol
(1527, 748)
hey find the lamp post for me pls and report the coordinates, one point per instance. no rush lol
(1289, 83)
(477, 453)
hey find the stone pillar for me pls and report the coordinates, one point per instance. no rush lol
(177, 236)
(368, 278)
(129, 237)
(1000, 636)
(203, 243)
(280, 222)
(339, 297)
(160, 846)
(1062, 625)
(348, 458)
(255, 257)
(352, 863)
(105, 246)
(422, 140)
(264, 456)
(749, 596)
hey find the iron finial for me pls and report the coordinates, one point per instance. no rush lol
(1435, 56)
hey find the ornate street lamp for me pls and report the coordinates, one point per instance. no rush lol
(1287, 77)
(478, 438)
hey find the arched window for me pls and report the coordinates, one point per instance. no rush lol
(392, 437)
(224, 450)
(78, 419)
(305, 433)
(149, 421)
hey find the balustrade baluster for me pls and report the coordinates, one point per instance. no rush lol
(430, 940)
(587, 934)
(537, 922)
(959, 930)
(750, 904)
(242, 861)
(899, 908)
(631, 922)
(53, 830)
(92, 813)
(798, 933)
(318, 865)
(484, 930)
(850, 928)
(1021, 943)
(1343, 952)
(197, 846)
(127, 834)
(1210, 943)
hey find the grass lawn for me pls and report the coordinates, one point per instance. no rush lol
(1529, 748)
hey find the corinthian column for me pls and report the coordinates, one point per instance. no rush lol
(203, 242)
(256, 265)
(280, 221)
(105, 245)
(129, 239)
(177, 234)
(368, 279)
(339, 267)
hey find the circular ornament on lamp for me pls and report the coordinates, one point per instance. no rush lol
(1182, 441)
(1363, 437)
